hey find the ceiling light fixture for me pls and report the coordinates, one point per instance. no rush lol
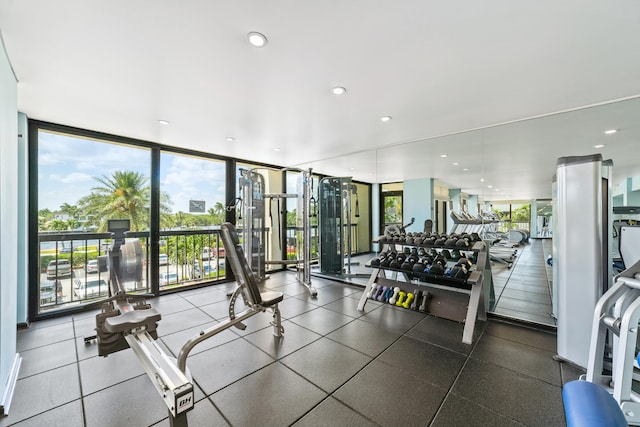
(338, 90)
(385, 118)
(230, 139)
(455, 163)
(610, 131)
(443, 155)
(465, 169)
(481, 179)
(276, 149)
(163, 122)
(489, 186)
(598, 146)
(257, 39)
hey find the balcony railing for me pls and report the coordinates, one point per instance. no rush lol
(68, 269)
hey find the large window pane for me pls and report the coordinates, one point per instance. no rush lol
(82, 183)
(192, 194)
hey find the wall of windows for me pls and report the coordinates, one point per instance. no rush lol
(175, 199)
(80, 179)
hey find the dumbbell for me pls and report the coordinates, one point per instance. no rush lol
(466, 262)
(372, 291)
(380, 295)
(425, 300)
(436, 269)
(462, 243)
(407, 301)
(440, 242)
(400, 298)
(451, 242)
(393, 298)
(377, 292)
(388, 294)
(416, 300)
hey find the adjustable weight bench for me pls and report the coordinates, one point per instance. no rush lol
(589, 405)
(254, 300)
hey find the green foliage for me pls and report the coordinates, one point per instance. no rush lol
(522, 214)
(125, 194)
(392, 209)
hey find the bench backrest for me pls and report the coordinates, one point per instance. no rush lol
(239, 264)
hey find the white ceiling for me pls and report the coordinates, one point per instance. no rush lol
(438, 68)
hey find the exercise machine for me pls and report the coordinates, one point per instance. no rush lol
(614, 340)
(128, 321)
(335, 227)
(582, 260)
(254, 201)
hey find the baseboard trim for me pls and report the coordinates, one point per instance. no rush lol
(10, 386)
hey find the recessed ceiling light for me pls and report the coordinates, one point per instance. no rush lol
(455, 163)
(465, 169)
(338, 90)
(497, 189)
(598, 146)
(276, 149)
(385, 118)
(230, 139)
(443, 155)
(481, 179)
(610, 131)
(489, 186)
(256, 39)
(163, 122)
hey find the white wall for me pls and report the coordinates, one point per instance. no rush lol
(8, 222)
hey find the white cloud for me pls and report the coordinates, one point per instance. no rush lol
(72, 178)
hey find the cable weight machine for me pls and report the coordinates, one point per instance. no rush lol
(252, 201)
(335, 225)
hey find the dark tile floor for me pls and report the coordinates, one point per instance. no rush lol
(334, 366)
(524, 290)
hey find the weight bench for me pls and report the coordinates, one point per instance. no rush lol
(254, 300)
(589, 405)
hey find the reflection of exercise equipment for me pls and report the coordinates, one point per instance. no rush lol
(128, 321)
(335, 224)
(253, 198)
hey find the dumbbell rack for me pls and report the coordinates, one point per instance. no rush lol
(454, 299)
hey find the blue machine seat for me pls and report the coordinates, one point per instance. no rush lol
(590, 405)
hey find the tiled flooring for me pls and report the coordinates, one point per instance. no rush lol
(524, 291)
(334, 366)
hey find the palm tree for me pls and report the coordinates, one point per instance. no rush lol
(125, 194)
(71, 210)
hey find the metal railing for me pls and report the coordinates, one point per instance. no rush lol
(68, 273)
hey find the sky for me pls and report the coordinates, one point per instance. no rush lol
(67, 167)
